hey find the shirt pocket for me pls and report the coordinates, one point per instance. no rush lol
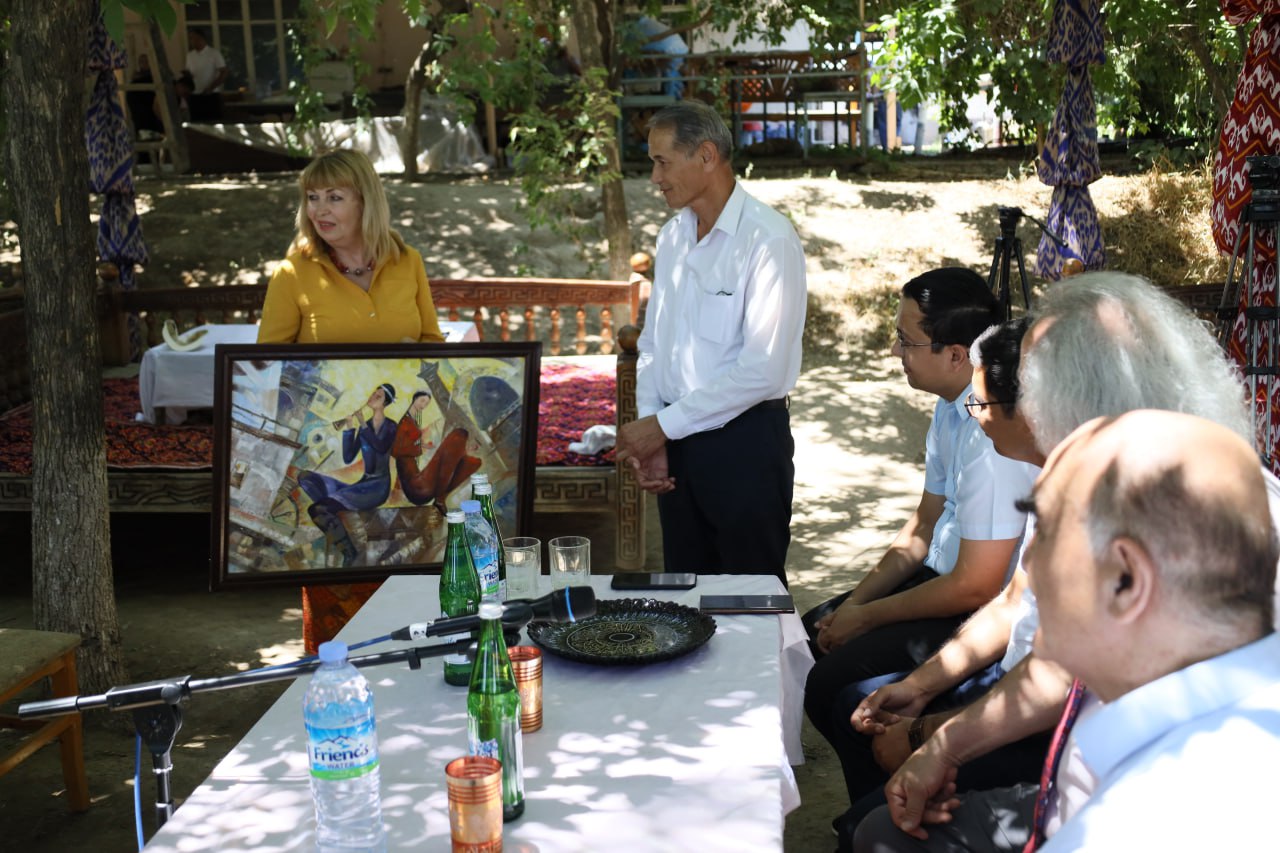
(717, 316)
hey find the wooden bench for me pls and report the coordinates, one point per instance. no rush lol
(25, 658)
(560, 312)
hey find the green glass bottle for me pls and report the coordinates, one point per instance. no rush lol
(493, 709)
(483, 492)
(459, 594)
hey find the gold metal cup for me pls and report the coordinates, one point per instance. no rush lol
(475, 804)
(526, 666)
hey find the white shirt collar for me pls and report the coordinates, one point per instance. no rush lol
(730, 215)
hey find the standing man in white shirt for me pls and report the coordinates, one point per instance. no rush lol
(208, 68)
(719, 353)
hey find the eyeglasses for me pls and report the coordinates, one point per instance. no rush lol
(974, 405)
(904, 343)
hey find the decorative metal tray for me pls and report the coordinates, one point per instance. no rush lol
(627, 631)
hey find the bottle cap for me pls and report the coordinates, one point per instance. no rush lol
(485, 488)
(490, 608)
(455, 516)
(479, 478)
(335, 651)
(471, 506)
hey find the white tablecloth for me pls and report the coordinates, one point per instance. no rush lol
(175, 381)
(682, 755)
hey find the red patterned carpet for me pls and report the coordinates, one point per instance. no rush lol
(574, 397)
(129, 444)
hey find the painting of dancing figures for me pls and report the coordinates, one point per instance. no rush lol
(340, 462)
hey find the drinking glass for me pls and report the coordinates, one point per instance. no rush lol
(475, 803)
(524, 565)
(526, 667)
(570, 561)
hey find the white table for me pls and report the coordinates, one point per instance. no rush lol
(683, 755)
(170, 382)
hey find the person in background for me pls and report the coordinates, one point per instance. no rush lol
(347, 278)
(719, 353)
(142, 104)
(956, 550)
(208, 68)
(207, 71)
(655, 37)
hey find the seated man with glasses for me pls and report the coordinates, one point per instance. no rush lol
(895, 718)
(1102, 343)
(954, 553)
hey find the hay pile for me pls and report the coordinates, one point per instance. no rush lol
(1163, 230)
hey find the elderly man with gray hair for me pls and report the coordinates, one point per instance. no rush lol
(719, 354)
(1102, 344)
(1154, 564)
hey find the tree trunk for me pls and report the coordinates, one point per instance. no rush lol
(416, 82)
(594, 27)
(412, 108)
(1221, 89)
(48, 170)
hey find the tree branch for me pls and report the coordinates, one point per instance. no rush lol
(1218, 85)
(675, 31)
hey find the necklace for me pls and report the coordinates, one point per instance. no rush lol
(368, 267)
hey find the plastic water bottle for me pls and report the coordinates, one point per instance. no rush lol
(493, 709)
(483, 492)
(459, 593)
(484, 548)
(342, 751)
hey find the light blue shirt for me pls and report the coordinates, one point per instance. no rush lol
(978, 485)
(1186, 762)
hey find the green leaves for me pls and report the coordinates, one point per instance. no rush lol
(162, 12)
(1169, 69)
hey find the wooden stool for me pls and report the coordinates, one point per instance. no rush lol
(25, 658)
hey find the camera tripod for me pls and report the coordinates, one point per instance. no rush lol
(1262, 216)
(1009, 250)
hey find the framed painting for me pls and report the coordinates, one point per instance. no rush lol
(337, 463)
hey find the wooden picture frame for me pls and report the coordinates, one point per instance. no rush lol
(315, 479)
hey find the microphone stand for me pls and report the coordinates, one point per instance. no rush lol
(158, 717)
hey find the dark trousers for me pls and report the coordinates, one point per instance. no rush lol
(880, 656)
(730, 511)
(986, 821)
(834, 691)
(1020, 761)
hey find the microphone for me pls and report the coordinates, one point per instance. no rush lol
(563, 605)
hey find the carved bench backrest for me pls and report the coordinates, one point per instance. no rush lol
(502, 309)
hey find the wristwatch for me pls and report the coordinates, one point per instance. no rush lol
(915, 734)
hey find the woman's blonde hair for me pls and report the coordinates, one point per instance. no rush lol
(352, 170)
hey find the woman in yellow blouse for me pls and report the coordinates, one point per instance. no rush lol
(347, 278)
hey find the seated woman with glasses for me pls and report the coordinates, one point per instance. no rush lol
(954, 553)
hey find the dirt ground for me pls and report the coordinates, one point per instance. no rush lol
(859, 433)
